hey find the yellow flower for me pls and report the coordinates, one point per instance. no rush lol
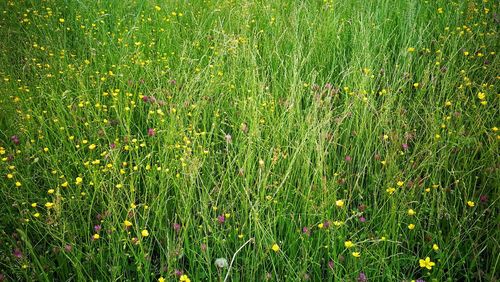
(481, 95)
(275, 247)
(390, 190)
(400, 183)
(411, 49)
(49, 205)
(33, 205)
(471, 204)
(78, 180)
(184, 278)
(411, 212)
(92, 146)
(339, 203)
(427, 263)
(61, 20)
(45, 149)
(447, 104)
(411, 226)
(157, 8)
(18, 184)
(37, 214)
(65, 184)
(348, 244)
(416, 84)
(96, 236)
(127, 223)
(144, 233)
(320, 225)
(356, 254)
(10, 176)
(435, 247)
(161, 279)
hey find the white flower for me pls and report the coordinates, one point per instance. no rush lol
(221, 262)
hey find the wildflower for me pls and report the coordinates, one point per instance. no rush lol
(320, 226)
(390, 190)
(356, 254)
(339, 203)
(221, 263)
(435, 247)
(400, 183)
(96, 236)
(61, 20)
(411, 226)
(92, 146)
(416, 84)
(78, 180)
(15, 139)
(18, 184)
(184, 278)
(348, 244)
(145, 233)
(483, 198)
(221, 218)
(49, 205)
(305, 230)
(151, 132)
(33, 205)
(405, 146)
(411, 49)
(348, 158)
(68, 248)
(161, 279)
(176, 227)
(97, 228)
(275, 248)
(411, 212)
(17, 253)
(330, 264)
(127, 223)
(427, 263)
(471, 204)
(36, 214)
(362, 277)
(157, 8)
(481, 95)
(362, 219)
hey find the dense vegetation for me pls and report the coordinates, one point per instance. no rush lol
(312, 140)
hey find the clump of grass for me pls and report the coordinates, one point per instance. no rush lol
(312, 140)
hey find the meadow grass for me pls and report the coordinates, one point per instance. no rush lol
(307, 140)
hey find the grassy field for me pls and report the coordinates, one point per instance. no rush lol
(278, 140)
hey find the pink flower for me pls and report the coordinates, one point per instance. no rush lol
(17, 253)
(15, 139)
(151, 132)
(221, 218)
